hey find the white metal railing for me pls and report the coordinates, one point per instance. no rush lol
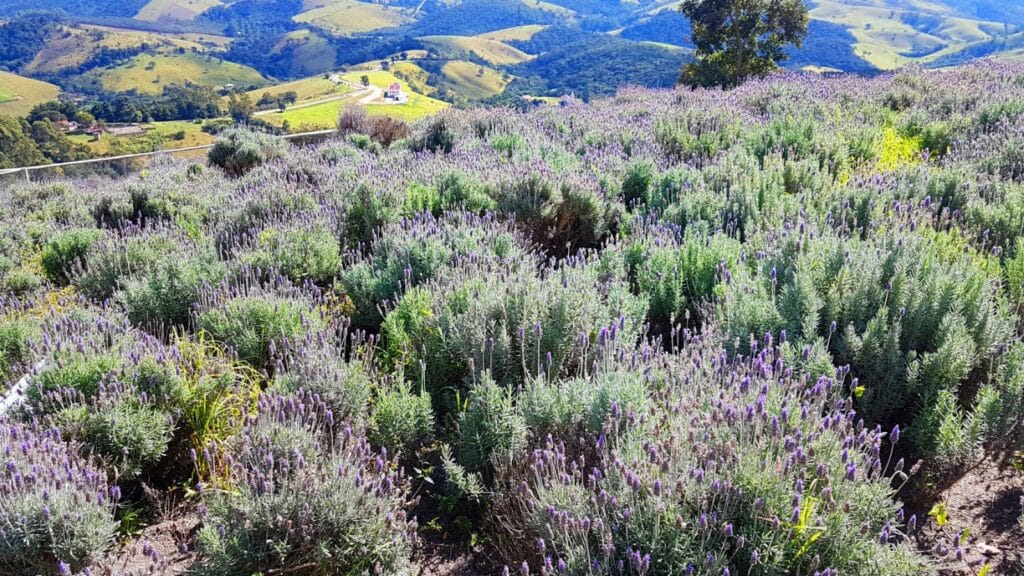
(15, 395)
(27, 170)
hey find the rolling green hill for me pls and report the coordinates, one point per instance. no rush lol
(150, 73)
(473, 81)
(71, 46)
(19, 94)
(494, 52)
(347, 17)
(157, 10)
(889, 34)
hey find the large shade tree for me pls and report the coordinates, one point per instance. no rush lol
(740, 39)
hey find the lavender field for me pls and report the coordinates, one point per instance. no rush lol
(770, 331)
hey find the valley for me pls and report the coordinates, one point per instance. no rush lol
(128, 60)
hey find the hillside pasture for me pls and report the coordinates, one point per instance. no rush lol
(310, 52)
(492, 51)
(515, 33)
(325, 114)
(157, 10)
(72, 46)
(473, 81)
(889, 37)
(19, 94)
(347, 17)
(307, 89)
(151, 72)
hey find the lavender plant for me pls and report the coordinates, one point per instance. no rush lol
(56, 508)
(308, 495)
(739, 466)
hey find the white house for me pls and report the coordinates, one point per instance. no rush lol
(394, 92)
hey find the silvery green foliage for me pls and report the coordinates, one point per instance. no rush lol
(56, 507)
(604, 275)
(307, 495)
(736, 465)
(237, 150)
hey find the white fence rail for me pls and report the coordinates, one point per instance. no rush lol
(28, 170)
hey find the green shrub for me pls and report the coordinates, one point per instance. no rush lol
(490, 425)
(460, 191)
(937, 138)
(740, 472)
(129, 436)
(993, 114)
(345, 387)
(114, 261)
(415, 251)
(238, 150)
(401, 421)
(563, 407)
(637, 183)
(52, 523)
(511, 325)
(67, 251)
(309, 497)
(794, 138)
(305, 252)
(79, 374)
(164, 297)
(436, 136)
(16, 338)
(250, 324)
(507, 144)
(696, 135)
(914, 318)
(679, 280)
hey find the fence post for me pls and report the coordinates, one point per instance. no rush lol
(27, 178)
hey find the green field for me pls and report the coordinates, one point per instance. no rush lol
(19, 94)
(549, 7)
(71, 46)
(150, 73)
(346, 17)
(175, 9)
(473, 81)
(325, 115)
(887, 42)
(521, 33)
(492, 51)
(311, 53)
(413, 76)
(307, 89)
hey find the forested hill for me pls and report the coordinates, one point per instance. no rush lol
(286, 39)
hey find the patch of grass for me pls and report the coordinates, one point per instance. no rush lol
(175, 9)
(310, 52)
(347, 17)
(169, 131)
(71, 46)
(887, 40)
(472, 80)
(307, 89)
(325, 115)
(492, 51)
(150, 73)
(520, 33)
(19, 94)
(549, 7)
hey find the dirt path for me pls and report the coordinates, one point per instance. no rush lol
(986, 505)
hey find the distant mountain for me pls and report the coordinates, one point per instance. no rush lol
(468, 50)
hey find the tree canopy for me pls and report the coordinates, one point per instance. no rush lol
(740, 39)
